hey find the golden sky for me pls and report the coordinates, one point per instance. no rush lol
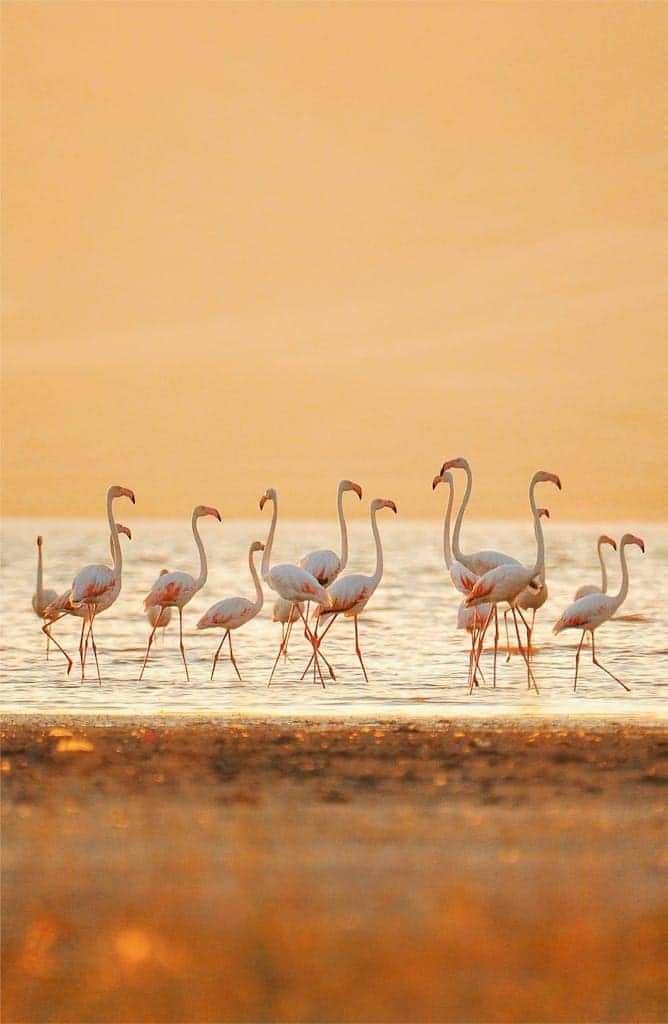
(277, 244)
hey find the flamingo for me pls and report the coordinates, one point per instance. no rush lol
(531, 599)
(292, 583)
(507, 581)
(176, 589)
(590, 588)
(286, 613)
(157, 616)
(234, 611)
(326, 565)
(62, 606)
(351, 594)
(592, 610)
(41, 598)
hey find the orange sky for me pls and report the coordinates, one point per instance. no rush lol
(250, 245)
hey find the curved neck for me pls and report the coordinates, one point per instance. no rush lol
(201, 579)
(539, 568)
(624, 589)
(266, 558)
(116, 553)
(259, 596)
(344, 530)
(604, 571)
(40, 578)
(447, 553)
(457, 551)
(379, 550)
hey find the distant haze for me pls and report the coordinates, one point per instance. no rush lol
(277, 244)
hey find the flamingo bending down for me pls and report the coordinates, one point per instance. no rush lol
(506, 582)
(42, 598)
(350, 594)
(286, 613)
(326, 565)
(176, 589)
(62, 606)
(592, 610)
(157, 616)
(292, 583)
(589, 588)
(234, 611)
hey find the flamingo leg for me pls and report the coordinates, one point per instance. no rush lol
(234, 660)
(45, 629)
(505, 621)
(148, 649)
(577, 658)
(322, 637)
(315, 641)
(48, 646)
(217, 654)
(530, 676)
(496, 641)
(183, 650)
(529, 630)
(284, 641)
(358, 651)
(92, 638)
(611, 674)
(481, 641)
(82, 658)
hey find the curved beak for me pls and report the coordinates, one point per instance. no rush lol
(436, 481)
(544, 512)
(391, 505)
(447, 465)
(263, 501)
(358, 490)
(555, 479)
(609, 540)
(124, 529)
(210, 511)
(640, 542)
(128, 494)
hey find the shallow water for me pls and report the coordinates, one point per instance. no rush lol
(415, 657)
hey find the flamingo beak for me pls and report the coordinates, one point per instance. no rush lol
(609, 540)
(263, 501)
(390, 504)
(544, 512)
(640, 543)
(358, 491)
(128, 494)
(555, 480)
(436, 481)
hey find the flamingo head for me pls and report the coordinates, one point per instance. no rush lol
(549, 478)
(163, 572)
(630, 538)
(121, 492)
(350, 485)
(604, 539)
(257, 545)
(269, 495)
(206, 510)
(543, 513)
(124, 529)
(382, 503)
(442, 478)
(459, 463)
(40, 541)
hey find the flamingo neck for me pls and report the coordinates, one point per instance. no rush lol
(40, 577)
(447, 553)
(203, 569)
(259, 596)
(266, 558)
(624, 589)
(457, 551)
(116, 553)
(604, 571)
(377, 576)
(344, 530)
(539, 567)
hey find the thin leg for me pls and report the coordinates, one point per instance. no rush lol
(284, 642)
(358, 651)
(45, 629)
(577, 658)
(315, 642)
(234, 660)
(530, 676)
(92, 638)
(322, 637)
(505, 620)
(611, 674)
(529, 630)
(183, 650)
(48, 646)
(496, 642)
(148, 649)
(217, 654)
(82, 659)
(481, 640)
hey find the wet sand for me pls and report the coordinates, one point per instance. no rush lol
(310, 871)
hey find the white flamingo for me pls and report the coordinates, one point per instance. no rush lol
(589, 588)
(532, 597)
(157, 616)
(292, 583)
(351, 594)
(592, 610)
(505, 582)
(326, 565)
(233, 612)
(176, 589)
(42, 598)
(62, 606)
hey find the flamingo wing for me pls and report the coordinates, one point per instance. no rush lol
(587, 612)
(92, 583)
(171, 588)
(463, 579)
(227, 614)
(295, 584)
(324, 565)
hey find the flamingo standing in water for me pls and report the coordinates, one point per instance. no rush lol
(592, 610)
(506, 582)
(292, 583)
(351, 594)
(234, 612)
(326, 565)
(531, 599)
(176, 589)
(62, 605)
(42, 598)
(157, 616)
(589, 588)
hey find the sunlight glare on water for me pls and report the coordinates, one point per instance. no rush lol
(415, 657)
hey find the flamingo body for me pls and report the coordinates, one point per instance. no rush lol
(324, 566)
(350, 594)
(284, 611)
(171, 590)
(587, 613)
(295, 584)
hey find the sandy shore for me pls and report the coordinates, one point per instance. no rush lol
(344, 871)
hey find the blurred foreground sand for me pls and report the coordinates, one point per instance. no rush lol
(344, 871)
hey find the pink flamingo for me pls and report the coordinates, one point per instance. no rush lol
(157, 616)
(590, 588)
(506, 582)
(62, 606)
(176, 589)
(42, 598)
(234, 612)
(292, 583)
(351, 594)
(326, 565)
(592, 610)
(531, 598)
